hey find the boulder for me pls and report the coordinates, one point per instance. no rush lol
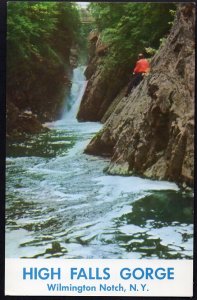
(22, 122)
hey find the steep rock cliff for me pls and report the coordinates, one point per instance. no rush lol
(102, 86)
(151, 133)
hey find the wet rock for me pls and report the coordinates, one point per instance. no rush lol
(12, 113)
(103, 143)
(56, 247)
(151, 133)
(29, 124)
(22, 122)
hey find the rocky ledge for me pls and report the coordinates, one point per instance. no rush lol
(22, 122)
(151, 133)
(102, 87)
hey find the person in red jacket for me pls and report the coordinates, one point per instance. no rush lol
(142, 67)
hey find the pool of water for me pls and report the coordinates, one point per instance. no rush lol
(59, 202)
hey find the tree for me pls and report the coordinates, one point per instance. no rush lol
(129, 28)
(39, 38)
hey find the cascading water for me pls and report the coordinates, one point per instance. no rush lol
(59, 203)
(72, 103)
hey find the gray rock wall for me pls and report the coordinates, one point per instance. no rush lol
(102, 87)
(151, 133)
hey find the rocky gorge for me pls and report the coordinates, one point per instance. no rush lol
(150, 133)
(102, 88)
(62, 203)
(40, 101)
(42, 51)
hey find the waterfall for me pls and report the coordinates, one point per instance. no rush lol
(63, 188)
(72, 102)
(77, 90)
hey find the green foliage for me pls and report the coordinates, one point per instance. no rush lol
(39, 38)
(150, 51)
(85, 29)
(34, 27)
(131, 28)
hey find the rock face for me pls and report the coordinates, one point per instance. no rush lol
(74, 56)
(42, 92)
(102, 87)
(22, 122)
(151, 133)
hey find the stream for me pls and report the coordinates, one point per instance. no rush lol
(60, 203)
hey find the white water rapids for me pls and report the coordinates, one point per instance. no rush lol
(58, 194)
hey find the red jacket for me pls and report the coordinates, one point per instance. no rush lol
(142, 66)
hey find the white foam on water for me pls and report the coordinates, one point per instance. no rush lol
(116, 186)
(85, 205)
